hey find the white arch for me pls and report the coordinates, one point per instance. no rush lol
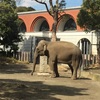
(37, 23)
(62, 23)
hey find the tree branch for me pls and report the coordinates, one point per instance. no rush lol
(51, 5)
(57, 3)
(43, 2)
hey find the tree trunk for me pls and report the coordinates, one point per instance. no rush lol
(53, 37)
(54, 27)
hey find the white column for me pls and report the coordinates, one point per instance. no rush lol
(43, 64)
(80, 45)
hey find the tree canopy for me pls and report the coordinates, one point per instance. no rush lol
(89, 19)
(89, 15)
(23, 9)
(9, 23)
(12, 3)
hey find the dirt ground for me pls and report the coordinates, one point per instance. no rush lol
(16, 83)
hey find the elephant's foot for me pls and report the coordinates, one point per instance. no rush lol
(54, 75)
(31, 73)
(73, 78)
(57, 75)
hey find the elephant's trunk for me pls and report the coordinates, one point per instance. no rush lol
(34, 63)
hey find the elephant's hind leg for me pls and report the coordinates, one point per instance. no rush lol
(75, 68)
(74, 76)
(71, 68)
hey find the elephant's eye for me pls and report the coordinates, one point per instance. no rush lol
(37, 49)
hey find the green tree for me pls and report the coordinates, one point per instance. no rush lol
(23, 9)
(89, 15)
(10, 2)
(9, 23)
(89, 19)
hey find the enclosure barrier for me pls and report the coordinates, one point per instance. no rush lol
(28, 57)
(89, 60)
(23, 56)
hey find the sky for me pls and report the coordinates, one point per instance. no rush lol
(37, 6)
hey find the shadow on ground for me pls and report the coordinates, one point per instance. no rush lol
(14, 68)
(24, 90)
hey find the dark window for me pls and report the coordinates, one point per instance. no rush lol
(70, 25)
(44, 26)
(22, 28)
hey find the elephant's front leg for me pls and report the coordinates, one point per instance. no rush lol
(53, 68)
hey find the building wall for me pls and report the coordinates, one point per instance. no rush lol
(30, 18)
(73, 37)
(33, 19)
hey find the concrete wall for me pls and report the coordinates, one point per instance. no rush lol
(71, 36)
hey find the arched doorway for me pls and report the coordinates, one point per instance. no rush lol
(66, 23)
(22, 27)
(86, 48)
(85, 45)
(70, 25)
(40, 24)
(44, 26)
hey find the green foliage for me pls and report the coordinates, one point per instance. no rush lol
(89, 15)
(10, 2)
(9, 22)
(7, 60)
(62, 4)
(23, 9)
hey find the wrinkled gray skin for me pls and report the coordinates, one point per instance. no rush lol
(59, 52)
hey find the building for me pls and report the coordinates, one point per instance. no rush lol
(37, 25)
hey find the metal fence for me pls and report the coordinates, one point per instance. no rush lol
(23, 56)
(89, 60)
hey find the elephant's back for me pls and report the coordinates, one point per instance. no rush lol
(62, 44)
(61, 47)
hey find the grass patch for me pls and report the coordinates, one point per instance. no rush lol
(7, 60)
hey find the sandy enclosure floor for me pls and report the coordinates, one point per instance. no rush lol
(16, 83)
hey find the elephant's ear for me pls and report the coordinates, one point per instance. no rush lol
(45, 47)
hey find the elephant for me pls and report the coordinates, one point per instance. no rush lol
(59, 52)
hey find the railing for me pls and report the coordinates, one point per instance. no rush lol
(23, 56)
(89, 60)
